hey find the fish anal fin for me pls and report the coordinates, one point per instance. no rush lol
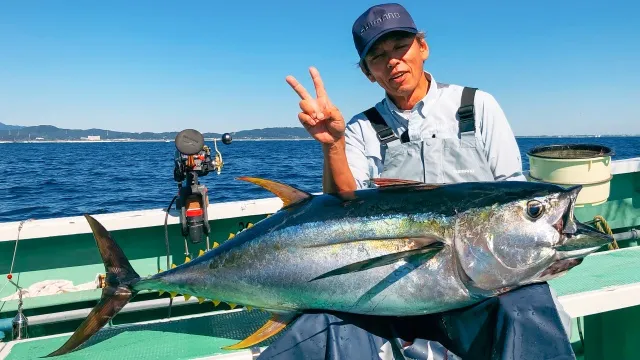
(426, 246)
(274, 325)
(287, 193)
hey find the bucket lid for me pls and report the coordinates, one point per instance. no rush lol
(571, 151)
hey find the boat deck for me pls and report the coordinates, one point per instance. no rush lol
(189, 337)
(603, 282)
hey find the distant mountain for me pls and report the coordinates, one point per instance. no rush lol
(9, 127)
(50, 133)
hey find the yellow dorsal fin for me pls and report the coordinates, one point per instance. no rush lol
(187, 259)
(160, 292)
(249, 308)
(215, 244)
(200, 300)
(215, 302)
(288, 194)
(249, 225)
(173, 294)
(271, 327)
(173, 265)
(159, 271)
(232, 305)
(187, 297)
(231, 235)
(201, 252)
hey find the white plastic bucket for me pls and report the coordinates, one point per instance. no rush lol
(588, 165)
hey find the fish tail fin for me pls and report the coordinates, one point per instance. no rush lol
(117, 291)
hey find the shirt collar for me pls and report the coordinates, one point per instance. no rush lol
(419, 106)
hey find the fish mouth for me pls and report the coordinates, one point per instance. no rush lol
(582, 239)
(577, 239)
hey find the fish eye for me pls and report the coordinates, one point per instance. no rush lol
(535, 209)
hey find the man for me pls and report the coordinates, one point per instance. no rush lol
(430, 132)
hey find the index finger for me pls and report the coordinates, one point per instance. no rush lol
(298, 88)
(317, 82)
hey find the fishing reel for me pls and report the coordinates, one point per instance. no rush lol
(193, 160)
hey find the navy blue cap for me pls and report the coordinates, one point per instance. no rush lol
(377, 21)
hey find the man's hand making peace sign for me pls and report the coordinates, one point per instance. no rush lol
(321, 119)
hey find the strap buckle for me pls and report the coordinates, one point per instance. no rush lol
(386, 135)
(467, 116)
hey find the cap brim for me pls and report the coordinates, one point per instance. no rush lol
(373, 41)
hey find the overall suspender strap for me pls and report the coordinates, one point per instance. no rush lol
(466, 112)
(383, 131)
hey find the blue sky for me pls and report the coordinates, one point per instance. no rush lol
(556, 67)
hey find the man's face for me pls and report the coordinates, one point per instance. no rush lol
(395, 62)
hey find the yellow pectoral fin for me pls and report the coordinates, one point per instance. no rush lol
(273, 326)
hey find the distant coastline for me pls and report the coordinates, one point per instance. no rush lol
(49, 133)
(135, 141)
(52, 134)
(207, 139)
